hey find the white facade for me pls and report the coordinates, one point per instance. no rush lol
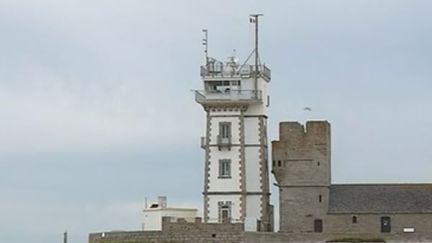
(154, 213)
(236, 157)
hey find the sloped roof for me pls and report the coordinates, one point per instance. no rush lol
(381, 198)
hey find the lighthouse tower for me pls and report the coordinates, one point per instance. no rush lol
(236, 174)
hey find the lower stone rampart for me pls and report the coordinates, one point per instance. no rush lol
(261, 237)
(178, 232)
(182, 232)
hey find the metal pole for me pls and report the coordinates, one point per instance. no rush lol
(205, 43)
(255, 19)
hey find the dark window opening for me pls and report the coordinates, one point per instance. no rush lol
(225, 214)
(274, 163)
(214, 235)
(320, 198)
(318, 225)
(354, 219)
(318, 163)
(279, 163)
(385, 224)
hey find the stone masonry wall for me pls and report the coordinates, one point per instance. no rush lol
(261, 237)
(371, 223)
(301, 166)
(178, 232)
(233, 233)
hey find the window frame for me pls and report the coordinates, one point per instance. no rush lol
(224, 168)
(225, 129)
(318, 226)
(385, 228)
(225, 207)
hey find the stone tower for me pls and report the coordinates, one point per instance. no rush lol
(301, 166)
(236, 183)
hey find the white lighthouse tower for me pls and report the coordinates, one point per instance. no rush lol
(236, 176)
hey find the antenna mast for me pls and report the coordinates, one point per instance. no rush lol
(205, 44)
(254, 19)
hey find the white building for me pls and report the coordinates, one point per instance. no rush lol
(236, 183)
(154, 212)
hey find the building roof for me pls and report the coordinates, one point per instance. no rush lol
(381, 198)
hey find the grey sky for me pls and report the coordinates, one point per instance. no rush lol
(97, 113)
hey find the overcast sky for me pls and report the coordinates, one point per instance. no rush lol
(97, 113)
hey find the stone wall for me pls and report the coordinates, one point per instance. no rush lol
(371, 223)
(176, 232)
(301, 166)
(261, 237)
(301, 156)
(182, 232)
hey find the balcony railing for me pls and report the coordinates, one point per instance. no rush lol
(223, 142)
(246, 71)
(231, 96)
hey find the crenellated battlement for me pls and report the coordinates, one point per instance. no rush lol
(315, 132)
(302, 155)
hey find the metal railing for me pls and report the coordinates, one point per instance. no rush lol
(246, 71)
(205, 96)
(224, 142)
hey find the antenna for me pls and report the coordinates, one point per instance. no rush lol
(65, 237)
(205, 44)
(254, 19)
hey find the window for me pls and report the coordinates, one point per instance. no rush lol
(225, 129)
(235, 83)
(224, 168)
(320, 198)
(224, 212)
(224, 136)
(385, 224)
(318, 225)
(279, 163)
(354, 219)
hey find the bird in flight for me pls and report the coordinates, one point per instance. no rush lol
(307, 109)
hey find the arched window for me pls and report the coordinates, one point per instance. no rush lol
(354, 219)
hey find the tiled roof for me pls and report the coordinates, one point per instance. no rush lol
(381, 198)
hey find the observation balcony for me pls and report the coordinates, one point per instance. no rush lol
(230, 96)
(220, 70)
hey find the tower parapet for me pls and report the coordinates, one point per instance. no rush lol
(302, 155)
